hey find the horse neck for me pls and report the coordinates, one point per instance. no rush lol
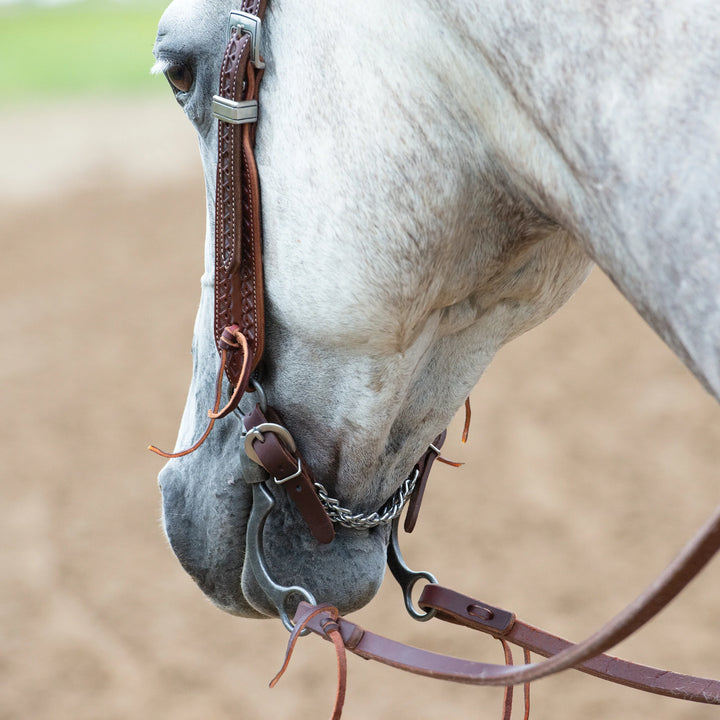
(603, 118)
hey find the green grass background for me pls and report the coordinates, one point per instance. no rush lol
(100, 47)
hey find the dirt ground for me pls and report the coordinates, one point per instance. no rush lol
(593, 457)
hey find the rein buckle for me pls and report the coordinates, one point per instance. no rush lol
(251, 24)
(256, 433)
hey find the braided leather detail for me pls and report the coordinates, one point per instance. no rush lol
(238, 270)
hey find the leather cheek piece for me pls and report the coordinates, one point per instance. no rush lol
(424, 466)
(238, 237)
(280, 463)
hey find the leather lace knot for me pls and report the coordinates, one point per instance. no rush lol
(331, 628)
(231, 341)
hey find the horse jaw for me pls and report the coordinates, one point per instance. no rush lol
(395, 265)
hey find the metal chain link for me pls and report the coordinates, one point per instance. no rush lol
(364, 521)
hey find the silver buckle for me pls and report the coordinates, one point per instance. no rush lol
(231, 111)
(290, 477)
(252, 25)
(256, 433)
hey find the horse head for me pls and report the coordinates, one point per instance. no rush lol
(399, 253)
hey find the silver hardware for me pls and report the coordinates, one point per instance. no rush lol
(262, 397)
(256, 433)
(278, 594)
(253, 387)
(364, 521)
(252, 25)
(231, 111)
(406, 577)
(290, 477)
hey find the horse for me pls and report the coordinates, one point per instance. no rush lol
(437, 179)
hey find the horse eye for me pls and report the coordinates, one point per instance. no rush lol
(180, 77)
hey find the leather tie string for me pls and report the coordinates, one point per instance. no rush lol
(331, 631)
(231, 341)
(464, 439)
(508, 696)
(326, 621)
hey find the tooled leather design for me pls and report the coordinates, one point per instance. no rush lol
(236, 296)
(255, 7)
(249, 289)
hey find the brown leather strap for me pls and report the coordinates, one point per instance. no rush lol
(281, 463)
(370, 646)
(469, 612)
(238, 240)
(468, 418)
(424, 466)
(585, 656)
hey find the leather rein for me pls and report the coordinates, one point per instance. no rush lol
(239, 336)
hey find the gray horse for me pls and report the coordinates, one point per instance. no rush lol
(437, 179)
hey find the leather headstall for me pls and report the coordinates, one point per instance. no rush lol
(239, 324)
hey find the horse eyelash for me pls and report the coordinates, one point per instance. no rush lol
(161, 66)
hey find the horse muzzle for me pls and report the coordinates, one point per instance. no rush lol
(249, 550)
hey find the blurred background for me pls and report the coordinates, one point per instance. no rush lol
(593, 454)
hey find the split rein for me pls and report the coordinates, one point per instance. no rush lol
(239, 336)
(587, 656)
